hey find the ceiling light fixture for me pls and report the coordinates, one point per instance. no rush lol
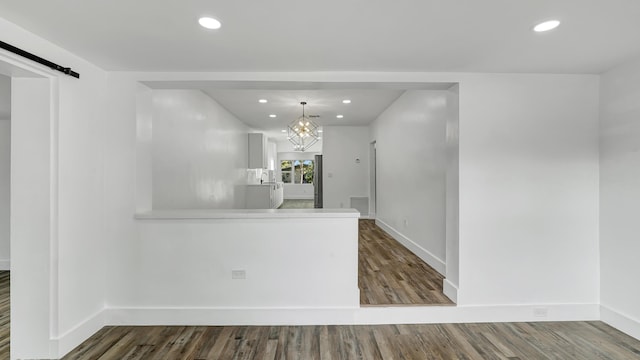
(263, 101)
(273, 115)
(302, 132)
(209, 23)
(546, 26)
(339, 116)
(346, 101)
(283, 130)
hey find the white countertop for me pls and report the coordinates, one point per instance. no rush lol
(247, 214)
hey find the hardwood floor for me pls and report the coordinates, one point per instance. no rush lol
(389, 274)
(5, 312)
(566, 341)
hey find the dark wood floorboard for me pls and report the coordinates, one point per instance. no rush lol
(390, 274)
(513, 341)
(5, 312)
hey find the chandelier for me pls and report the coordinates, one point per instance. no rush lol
(303, 132)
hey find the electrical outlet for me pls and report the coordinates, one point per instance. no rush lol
(406, 222)
(540, 312)
(238, 274)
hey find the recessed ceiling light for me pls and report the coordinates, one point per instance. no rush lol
(346, 101)
(273, 115)
(319, 138)
(319, 131)
(263, 101)
(209, 23)
(283, 130)
(339, 116)
(546, 26)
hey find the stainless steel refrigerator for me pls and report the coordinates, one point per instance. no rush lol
(317, 182)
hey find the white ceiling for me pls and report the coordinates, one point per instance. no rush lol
(368, 100)
(338, 35)
(366, 105)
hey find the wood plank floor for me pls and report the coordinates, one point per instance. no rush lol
(5, 312)
(390, 274)
(566, 341)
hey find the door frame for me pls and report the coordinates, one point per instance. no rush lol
(34, 218)
(373, 180)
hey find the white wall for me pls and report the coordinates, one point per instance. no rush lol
(5, 171)
(343, 176)
(144, 151)
(411, 171)
(620, 196)
(203, 253)
(529, 189)
(200, 153)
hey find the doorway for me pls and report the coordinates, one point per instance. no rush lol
(5, 209)
(33, 209)
(5, 171)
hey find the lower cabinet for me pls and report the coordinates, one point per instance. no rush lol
(264, 196)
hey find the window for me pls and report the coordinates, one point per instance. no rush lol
(297, 171)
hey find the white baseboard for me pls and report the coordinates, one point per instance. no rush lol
(421, 252)
(622, 322)
(79, 333)
(299, 197)
(350, 316)
(229, 316)
(5, 264)
(450, 290)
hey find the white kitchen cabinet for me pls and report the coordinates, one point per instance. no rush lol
(264, 196)
(257, 151)
(272, 155)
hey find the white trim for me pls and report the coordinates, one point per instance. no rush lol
(228, 316)
(349, 316)
(418, 250)
(450, 290)
(5, 265)
(79, 333)
(620, 321)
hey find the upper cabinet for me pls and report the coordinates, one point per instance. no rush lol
(262, 153)
(257, 151)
